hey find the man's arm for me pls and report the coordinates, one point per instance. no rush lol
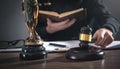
(100, 17)
(105, 26)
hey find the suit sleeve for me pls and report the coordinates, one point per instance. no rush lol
(100, 17)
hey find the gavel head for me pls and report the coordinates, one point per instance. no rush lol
(85, 36)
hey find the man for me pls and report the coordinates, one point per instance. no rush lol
(98, 18)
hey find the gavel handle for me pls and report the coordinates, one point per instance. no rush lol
(93, 40)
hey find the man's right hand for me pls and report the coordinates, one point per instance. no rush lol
(53, 27)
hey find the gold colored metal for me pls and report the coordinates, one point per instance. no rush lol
(30, 9)
(85, 37)
(31, 22)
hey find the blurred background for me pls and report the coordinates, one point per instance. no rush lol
(12, 26)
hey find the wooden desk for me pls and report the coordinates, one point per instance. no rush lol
(58, 61)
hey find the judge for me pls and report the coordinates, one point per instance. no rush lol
(104, 25)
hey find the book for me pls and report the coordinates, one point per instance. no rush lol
(56, 17)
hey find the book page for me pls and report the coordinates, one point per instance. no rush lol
(57, 17)
(70, 12)
(52, 13)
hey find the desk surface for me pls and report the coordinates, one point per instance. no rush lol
(58, 61)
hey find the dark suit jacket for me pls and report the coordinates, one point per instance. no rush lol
(97, 16)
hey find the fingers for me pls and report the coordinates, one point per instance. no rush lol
(68, 24)
(107, 39)
(104, 37)
(99, 37)
(53, 27)
(49, 21)
(63, 24)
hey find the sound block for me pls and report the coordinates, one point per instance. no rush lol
(92, 53)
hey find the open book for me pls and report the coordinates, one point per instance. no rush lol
(55, 16)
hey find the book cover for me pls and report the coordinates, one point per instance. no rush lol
(56, 17)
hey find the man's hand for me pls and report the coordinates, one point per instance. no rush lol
(53, 27)
(104, 37)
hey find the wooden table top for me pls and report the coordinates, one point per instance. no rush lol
(58, 61)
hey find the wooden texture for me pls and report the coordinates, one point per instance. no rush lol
(58, 61)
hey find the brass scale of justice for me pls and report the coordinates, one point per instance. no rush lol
(33, 48)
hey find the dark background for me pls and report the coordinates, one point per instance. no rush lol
(12, 26)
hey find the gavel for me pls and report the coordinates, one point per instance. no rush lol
(85, 51)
